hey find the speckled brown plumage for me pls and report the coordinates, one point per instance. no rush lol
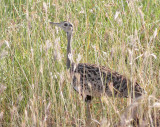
(91, 80)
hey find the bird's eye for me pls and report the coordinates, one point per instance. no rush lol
(65, 24)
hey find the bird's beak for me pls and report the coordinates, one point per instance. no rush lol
(56, 24)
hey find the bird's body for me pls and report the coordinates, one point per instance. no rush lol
(94, 81)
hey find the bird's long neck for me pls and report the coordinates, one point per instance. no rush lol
(69, 36)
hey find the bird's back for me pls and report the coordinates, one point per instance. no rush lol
(93, 81)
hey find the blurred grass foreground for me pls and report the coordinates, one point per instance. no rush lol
(35, 87)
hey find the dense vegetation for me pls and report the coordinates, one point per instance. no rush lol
(35, 86)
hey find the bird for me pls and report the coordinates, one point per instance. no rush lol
(91, 80)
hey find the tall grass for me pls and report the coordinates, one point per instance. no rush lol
(35, 85)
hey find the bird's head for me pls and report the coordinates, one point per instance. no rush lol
(66, 26)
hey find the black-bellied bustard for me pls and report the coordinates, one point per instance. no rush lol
(94, 81)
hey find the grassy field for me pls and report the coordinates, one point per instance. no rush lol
(35, 86)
